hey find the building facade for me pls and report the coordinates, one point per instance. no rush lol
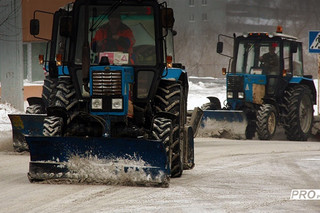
(199, 22)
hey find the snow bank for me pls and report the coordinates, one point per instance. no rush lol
(202, 87)
(6, 109)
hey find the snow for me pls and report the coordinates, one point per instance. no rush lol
(90, 169)
(6, 109)
(202, 87)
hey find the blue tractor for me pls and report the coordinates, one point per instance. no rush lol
(113, 105)
(266, 87)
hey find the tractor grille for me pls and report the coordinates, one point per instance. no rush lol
(106, 83)
(235, 83)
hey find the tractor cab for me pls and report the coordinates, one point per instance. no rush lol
(262, 66)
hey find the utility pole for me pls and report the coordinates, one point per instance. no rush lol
(11, 53)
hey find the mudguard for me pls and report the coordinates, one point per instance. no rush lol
(98, 160)
(172, 73)
(25, 124)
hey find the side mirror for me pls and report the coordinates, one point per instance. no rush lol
(65, 26)
(174, 33)
(34, 27)
(294, 47)
(167, 18)
(219, 47)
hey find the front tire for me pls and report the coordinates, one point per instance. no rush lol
(49, 90)
(266, 121)
(65, 97)
(52, 126)
(298, 113)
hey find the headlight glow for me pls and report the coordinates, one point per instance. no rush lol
(229, 94)
(116, 103)
(96, 103)
(240, 95)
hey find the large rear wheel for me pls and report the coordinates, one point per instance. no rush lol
(298, 113)
(168, 99)
(162, 130)
(34, 109)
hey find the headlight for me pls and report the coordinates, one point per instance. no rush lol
(96, 103)
(229, 94)
(116, 103)
(240, 95)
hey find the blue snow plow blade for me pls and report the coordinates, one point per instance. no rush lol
(124, 161)
(224, 123)
(25, 124)
(224, 115)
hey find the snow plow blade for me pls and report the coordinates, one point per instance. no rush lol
(25, 124)
(98, 160)
(223, 124)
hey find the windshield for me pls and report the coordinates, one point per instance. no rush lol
(122, 36)
(256, 57)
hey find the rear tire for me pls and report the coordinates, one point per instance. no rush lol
(168, 99)
(251, 129)
(298, 113)
(34, 109)
(162, 130)
(266, 121)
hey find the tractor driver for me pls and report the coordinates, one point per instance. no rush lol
(270, 60)
(114, 36)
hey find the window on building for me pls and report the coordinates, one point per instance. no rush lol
(33, 71)
(204, 2)
(191, 18)
(204, 17)
(191, 3)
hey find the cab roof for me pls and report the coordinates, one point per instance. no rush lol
(269, 35)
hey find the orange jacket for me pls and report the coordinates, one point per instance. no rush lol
(103, 40)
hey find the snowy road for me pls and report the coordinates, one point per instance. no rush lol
(229, 176)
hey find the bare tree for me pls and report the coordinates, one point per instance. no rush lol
(10, 11)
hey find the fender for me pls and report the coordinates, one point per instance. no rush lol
(35, 100)
(63, 70)
(172, 73)
(306, 81)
